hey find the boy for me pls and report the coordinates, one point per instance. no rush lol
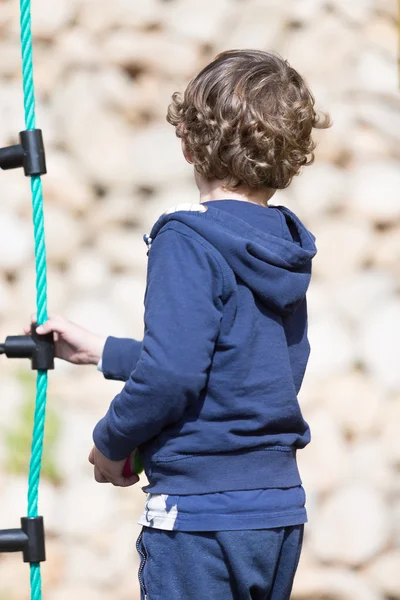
(210, 395)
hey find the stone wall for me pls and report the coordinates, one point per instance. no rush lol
(105, 71)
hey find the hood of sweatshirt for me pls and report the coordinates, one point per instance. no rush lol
(268, 248)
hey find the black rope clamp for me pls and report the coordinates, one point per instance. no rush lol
(29, 540)
(29, 154)
(39, 348)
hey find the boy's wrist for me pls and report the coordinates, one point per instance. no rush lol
(96, 350)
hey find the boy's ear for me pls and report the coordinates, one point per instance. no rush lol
(186, 154)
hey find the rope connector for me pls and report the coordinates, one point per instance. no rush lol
(39, 348)
(29, 154)
(29, 540)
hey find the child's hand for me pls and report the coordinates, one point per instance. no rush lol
(110, 471)
(72, 343)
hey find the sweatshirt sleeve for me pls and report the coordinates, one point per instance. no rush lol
(120, 356)
(183, 311)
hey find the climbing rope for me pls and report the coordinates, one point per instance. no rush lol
(41, 285)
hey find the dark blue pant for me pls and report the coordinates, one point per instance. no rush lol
(222, 565)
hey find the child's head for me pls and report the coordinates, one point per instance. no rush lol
(246, 119)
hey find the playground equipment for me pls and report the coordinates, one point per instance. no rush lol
(30, 155)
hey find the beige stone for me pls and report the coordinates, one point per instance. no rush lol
(381, 34)
(76, 47)
(88, 273)
(331, 33)
(24, 294)
(359, 12)
(374, 191)
(99, 16)
(127, 295)
(334, 145)
(12, 397)
(119, 91)
(332, 343)
(387, 251)
(165, 55)
(8, 15)
(318, 190)
(77, 422)
(120, 209)
(323, 463)
(259, 26)
(145, 99)
(13, 501)
(49, 71)
(385, 572)
(96, 314)
(390, 437)
(368, 463)
(361, 292)
(64, 592)
(166, 197)
(396, 525)
(65, 184)
(334, 583)
(303, 10)
(16, 193)
(53, 569)
(352, 526)
(319, 298)
(199, 21)
(101, 564)
(49, 17)
(156, 156)
(63, 234)
(344, 244)
(96, 137)
(11, 113)
(16, 243)
(384, 67)
(379, 341)
(354, 401)
(368, 145)
(93, 400)
(14, 576)
(11, 59)
(384, 113)
(5, 298)
(87, 508)
(123, 249)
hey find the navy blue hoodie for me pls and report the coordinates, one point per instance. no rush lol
(210, 397)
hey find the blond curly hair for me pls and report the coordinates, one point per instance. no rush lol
(247, 119)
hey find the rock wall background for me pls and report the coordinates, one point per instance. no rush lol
(104, 74)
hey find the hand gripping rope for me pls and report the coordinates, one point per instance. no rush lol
(30, 155)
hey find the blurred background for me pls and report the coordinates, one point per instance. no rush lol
(105, 71)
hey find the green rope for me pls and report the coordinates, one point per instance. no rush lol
(41, 285)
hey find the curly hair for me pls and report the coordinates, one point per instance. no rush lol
(247, 119)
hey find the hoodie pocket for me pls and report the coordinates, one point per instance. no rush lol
(140, 547)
